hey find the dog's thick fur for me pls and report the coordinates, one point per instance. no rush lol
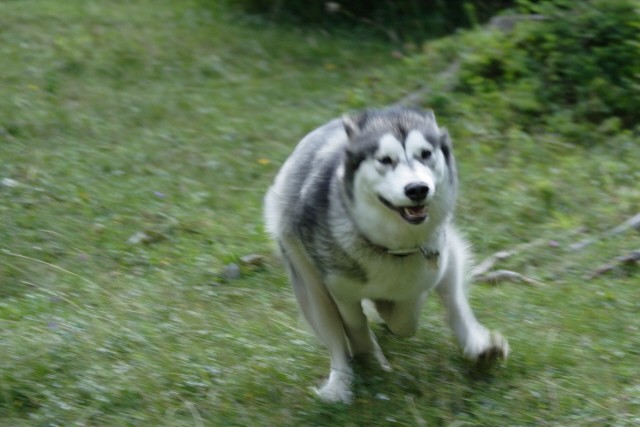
(362, 212)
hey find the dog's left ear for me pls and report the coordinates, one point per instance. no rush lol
(350, 125)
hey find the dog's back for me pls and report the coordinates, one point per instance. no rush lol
(300, 193)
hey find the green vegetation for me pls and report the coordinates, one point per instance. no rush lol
(395, 19)
(572, 65)
(138, 138)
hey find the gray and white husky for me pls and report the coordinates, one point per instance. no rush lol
(362, 212)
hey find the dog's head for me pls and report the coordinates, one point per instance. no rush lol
(401, 163)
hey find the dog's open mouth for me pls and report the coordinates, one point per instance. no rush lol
(412, 214)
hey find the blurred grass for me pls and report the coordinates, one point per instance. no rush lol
(168, 119)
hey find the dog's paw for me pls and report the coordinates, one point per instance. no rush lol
(337, 388)
(332, 393)
(487, 348)
(498, 349)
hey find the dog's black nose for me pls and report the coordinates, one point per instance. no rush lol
(416, 191)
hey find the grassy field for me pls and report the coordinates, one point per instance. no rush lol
(136, 142)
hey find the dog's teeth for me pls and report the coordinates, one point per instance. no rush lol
(414, 211)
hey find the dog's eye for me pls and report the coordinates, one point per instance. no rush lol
(425, 154)
(386, 160)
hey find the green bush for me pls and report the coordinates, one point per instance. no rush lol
(588, 58)
(580, 63)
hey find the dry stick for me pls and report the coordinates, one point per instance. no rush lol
(631, 223)
(482, 272)
(630, 258)
(508, 276)
(486, 265)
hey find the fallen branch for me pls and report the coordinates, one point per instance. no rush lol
(631, 258)
(482, 272)
(487, 264)
(507, 276)
(631, 223)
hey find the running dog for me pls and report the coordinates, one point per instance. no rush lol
(362, 212)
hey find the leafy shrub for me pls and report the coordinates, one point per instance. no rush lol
(589, 58)
(580, 63)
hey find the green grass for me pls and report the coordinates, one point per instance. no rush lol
(171, 119)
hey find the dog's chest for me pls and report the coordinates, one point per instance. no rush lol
(391, 279)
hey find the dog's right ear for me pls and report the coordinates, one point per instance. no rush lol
(350, 125)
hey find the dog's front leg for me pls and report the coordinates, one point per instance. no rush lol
(322, 313)
(327, 323)
(477, 341)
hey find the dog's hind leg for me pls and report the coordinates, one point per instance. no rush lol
(401, 317)
(322, 314)
(361, 338)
